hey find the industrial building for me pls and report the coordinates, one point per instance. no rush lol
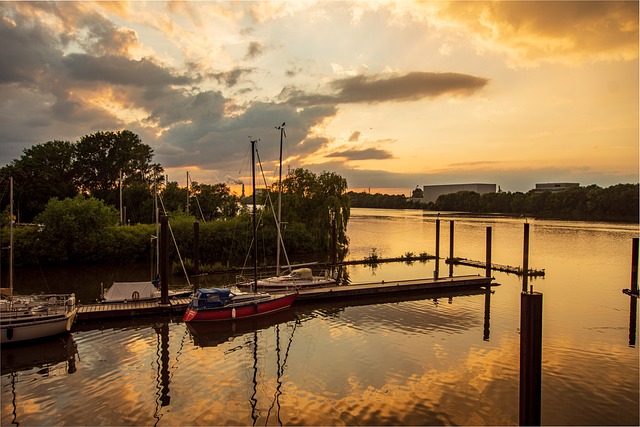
(555, 186)
(432, 192)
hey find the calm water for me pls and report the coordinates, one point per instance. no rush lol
(445, 359)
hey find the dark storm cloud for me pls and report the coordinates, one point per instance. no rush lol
(233, 77)
(354, 136)
(365, 154)
(26, 52)
(120, 70)
(374, 89)
(254, 50)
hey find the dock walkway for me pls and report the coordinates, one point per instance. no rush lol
(177, 306)
(90, 312)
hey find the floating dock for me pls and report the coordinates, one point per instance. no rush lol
(177, 306)
(495, 267)
(395, 287)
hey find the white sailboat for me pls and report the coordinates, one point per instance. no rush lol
(300, 278)
(25, 318)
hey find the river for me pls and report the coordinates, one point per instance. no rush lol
(451, 358)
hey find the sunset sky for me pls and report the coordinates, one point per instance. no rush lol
(390, 95)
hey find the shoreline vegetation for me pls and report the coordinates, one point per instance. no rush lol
(66, 194)
(617, 203)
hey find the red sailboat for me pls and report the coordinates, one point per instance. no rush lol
(223, 304)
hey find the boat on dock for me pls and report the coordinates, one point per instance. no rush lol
(31, 317)
(300, 278)
(122, 292)
(224, 304)
(27, 318)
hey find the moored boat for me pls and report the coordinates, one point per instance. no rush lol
(29, 318)
(121, 292)
(301, 278)
(223, 304)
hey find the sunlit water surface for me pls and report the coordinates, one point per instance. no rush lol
(442, 359)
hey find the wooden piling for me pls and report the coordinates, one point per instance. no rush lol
(530, 358)
(488, 252)
(633, 304)
(436, 272)
(634, 265)
(525, 258)
(164, 260)
(451, 248)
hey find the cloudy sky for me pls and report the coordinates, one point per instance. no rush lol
(390, 95)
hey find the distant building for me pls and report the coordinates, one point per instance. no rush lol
(555, 186)
(432, 192)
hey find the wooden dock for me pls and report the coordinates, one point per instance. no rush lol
(393, 287)
(384, 289)
(91, 312)
(495, 267)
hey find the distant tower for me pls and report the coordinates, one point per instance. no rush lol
(242, 197)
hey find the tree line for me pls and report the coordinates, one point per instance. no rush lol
(615, 203)
(70, 191)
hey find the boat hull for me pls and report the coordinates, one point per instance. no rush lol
(33, 328)
(286, 284)
(251, 309)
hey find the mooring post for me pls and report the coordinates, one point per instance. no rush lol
(436, 273)
(164, 260)
(488, 250)
(634, 265)
(525, 258)
(633, 304)
(196, 247)
(530, 358)
(451, 248)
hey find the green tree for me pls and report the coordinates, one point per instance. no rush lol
(215, 201)
(315, 202)
(102, 156)
(43, 171)
(73, 228)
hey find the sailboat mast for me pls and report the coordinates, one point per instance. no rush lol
(279, 204)
(156, 212)
(10, 235)
(121, 216)
(255, 230)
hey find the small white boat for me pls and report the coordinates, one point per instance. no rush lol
(301, 278)
(121, 292)
(28, 318)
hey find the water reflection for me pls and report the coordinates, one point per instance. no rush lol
(633, 315)
(46, 358)
(212, 334)
(163, 374)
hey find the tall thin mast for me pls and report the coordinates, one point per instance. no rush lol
(121, 216)
(156, 213)
(10, 235)
(279, 204)
(187, 191)
(255, 230)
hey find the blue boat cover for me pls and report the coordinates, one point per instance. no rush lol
(210, 298)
